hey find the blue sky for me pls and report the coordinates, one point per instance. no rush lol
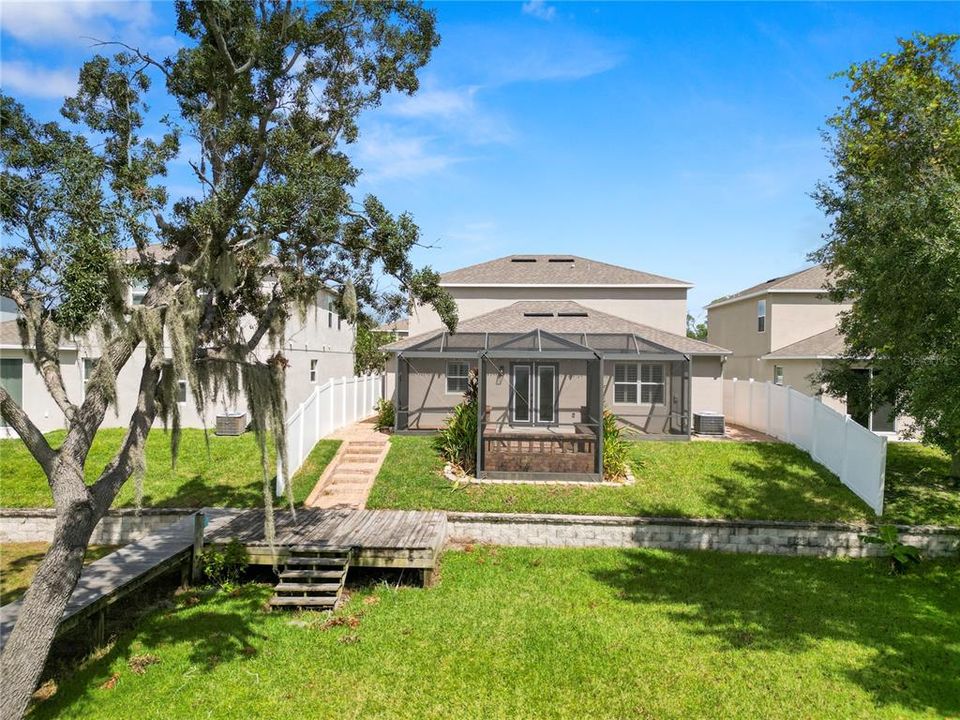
(681, 139)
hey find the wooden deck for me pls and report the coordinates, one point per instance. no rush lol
(110, 578)
(375, 538)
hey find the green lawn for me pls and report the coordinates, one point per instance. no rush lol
(771, 481)
(19, 561)
(917, 490)
(229, 475)
(536, 633)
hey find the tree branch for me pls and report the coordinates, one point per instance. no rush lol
(130, 455)
(36, 443)
(136, 51)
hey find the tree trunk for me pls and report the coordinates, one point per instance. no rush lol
(26, 649)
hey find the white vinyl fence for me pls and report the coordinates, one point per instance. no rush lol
(853, 453)
(331, 406)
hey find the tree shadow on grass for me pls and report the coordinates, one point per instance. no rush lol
(911, 623)
(783, 483)
(200, 491)
(222, 629)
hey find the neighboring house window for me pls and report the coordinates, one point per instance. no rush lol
(137, 292)
(181, 391)
(458, 374)
(313, 371)
(778, 374)
(11, 379)
(761, 315)
(89, 366)
(635, 383)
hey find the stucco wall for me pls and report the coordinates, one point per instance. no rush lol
(795, 316)
(571, 391)
(663, 308)
(707, 384)
(734, 327)
(428, 400)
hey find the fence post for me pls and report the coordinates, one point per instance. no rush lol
(333, 422)
(845, 460)
(788, 421)
(300, 431)
(343, 403)
(813, 430)
(366, 389)
(316, 414)
(750, 421)
(770, 391)
(279, 483)
(356, 398)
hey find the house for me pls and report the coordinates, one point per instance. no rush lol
(784, 330)
(399, 328)
(554, 340)
(318, 347)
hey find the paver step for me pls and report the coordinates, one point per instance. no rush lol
(307, 587)
(316, 561)
(308, 574)
(290, 601)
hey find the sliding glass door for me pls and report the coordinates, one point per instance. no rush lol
(533, 394)
(546, 394)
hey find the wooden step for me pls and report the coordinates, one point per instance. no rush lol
(324, 550)
(307, 587)
(293, 574)
(291, 601)
(300, 560)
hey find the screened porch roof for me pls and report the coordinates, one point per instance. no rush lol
(555, 329)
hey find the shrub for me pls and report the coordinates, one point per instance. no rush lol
(457, 440)
(386, 414)
(898, 553)
(615, 449)
(223, 567)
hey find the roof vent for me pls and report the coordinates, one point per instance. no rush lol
(562, 260)
(572, 313)
(523, 259)
(538, 314)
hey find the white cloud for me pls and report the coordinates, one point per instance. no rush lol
(435, 103)
(539, 9)
(73, 22)
(385, 154)
(27, 79)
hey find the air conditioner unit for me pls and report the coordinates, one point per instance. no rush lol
(708, 423)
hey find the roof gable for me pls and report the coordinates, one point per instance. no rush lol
(553, 270)
(811, 279)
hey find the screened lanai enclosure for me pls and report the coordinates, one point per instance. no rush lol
(541, 395)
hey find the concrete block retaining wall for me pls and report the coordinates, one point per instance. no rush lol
(744, 536)
(119, 527)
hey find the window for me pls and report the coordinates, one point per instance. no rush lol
(778, 374)
(89, 367)
(761, 315)
(181, 391)
(643, 383)
(521, 393)
(651, 384)
(458, 374)
(11, 379)
(137, 291)
(313, 370)
(625, 383)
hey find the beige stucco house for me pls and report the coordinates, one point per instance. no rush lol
(784, 331)
(318, 347)
(555, 340)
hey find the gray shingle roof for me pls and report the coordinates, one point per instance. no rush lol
(565, 317)
(401, 325)
(813, 278)
(552, 270)
(10, 337)
(828, 344)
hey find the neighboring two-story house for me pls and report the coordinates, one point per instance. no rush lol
(784, 331)
(555, 340)
(318, 348)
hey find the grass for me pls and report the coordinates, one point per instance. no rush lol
(19, 561)
(229, 476)
(918, 490)
(537, 633)
(771, 481)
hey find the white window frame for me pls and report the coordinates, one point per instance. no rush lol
(457, 365)
(640, 384)
(138, 289)
(761, 316)
(313, 370)
(778, 374)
